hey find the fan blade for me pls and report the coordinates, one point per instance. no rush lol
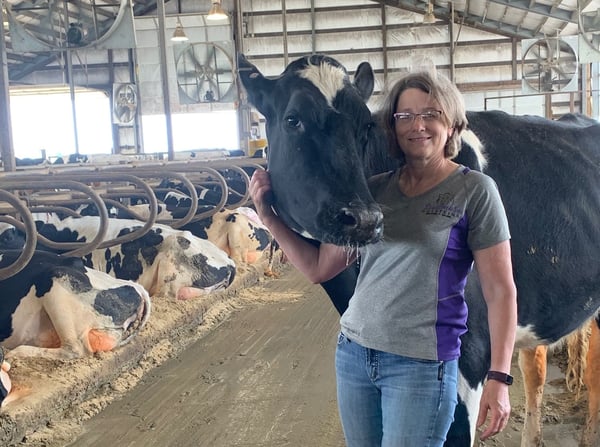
(210, 55)
(552, 46)
(564, 74)
(193, 53)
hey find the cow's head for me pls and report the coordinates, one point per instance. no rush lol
(318, 129)
(188, 267)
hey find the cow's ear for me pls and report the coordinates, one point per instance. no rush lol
(257, 86)
(364, 80)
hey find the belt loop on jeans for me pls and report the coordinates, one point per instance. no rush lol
(441, 371)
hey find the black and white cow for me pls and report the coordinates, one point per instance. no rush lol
(164, 261)
(57, 308)
(239, 232)
(323, 143)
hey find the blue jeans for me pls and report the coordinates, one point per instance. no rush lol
(386, 400)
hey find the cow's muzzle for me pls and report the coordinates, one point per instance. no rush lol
(361, 225)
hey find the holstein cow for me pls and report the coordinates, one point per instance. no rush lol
(239, 232)
(57, 308)
(323, 143)
(164, 261)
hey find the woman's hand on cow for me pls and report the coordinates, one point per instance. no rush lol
(495, 407)
(262, 194)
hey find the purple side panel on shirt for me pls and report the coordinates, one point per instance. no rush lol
(452, 309)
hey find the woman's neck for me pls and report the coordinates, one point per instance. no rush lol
(417, 178)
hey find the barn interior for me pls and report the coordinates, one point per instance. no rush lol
(161, 64)
(103, 101)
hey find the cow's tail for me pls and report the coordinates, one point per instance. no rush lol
(577, 349)
(469, 138)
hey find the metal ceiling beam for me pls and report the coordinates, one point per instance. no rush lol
(549, 11)
(466, 18)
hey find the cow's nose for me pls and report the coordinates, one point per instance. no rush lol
(363, 225)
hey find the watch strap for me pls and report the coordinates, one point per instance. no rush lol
(500, 377)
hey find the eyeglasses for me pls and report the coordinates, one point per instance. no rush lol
(404, 118)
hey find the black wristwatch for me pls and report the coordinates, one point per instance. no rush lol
(500, 377)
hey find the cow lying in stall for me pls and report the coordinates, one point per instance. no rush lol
(164, 261)
(238, 232)
(320, 129)
(57, 308)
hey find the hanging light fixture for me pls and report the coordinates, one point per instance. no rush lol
(429, 17)
(179, 33)
(216, 11)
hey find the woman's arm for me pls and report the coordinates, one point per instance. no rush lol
(494, 267)
(317, 263)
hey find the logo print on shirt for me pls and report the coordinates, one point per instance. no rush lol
(443, 206)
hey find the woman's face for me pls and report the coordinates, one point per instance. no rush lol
(422, 136)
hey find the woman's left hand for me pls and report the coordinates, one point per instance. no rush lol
(494, 407)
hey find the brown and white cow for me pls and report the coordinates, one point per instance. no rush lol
(239, 233)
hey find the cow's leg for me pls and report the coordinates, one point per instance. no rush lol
(462, 430)
(533, 364)
(76, 324)
(591, 433)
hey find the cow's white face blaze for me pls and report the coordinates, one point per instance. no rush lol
(327, 78)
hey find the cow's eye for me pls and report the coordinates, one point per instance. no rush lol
(293, 122)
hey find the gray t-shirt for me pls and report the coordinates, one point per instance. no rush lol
(409, 298)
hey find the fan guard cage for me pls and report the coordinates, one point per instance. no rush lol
(589, 35)
(549, 65)
(124, 103)
(205, 74)
(61, 24)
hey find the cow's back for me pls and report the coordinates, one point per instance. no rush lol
(548, 177)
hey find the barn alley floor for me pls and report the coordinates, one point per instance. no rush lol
(263, 377)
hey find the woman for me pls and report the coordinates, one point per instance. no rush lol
(398, 349)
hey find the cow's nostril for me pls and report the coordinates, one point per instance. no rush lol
(364, 224)
(347, 218)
